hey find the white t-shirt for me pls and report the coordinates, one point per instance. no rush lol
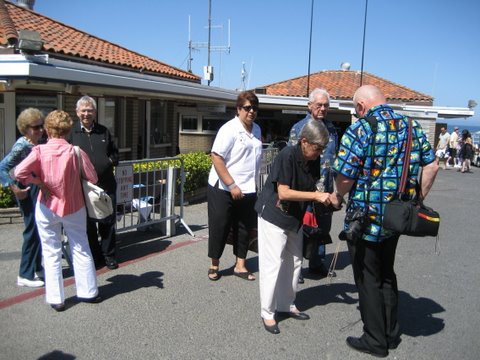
(443, 140)
(242, 153)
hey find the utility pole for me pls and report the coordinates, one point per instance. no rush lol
(363, 46)
(310, 49)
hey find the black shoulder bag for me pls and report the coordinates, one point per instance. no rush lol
(410, 217)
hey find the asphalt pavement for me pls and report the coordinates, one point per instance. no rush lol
(160, 304)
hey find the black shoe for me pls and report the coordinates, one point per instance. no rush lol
(272, 329)
(294, 315)
(111, 263)
(301, 280)
(394, 344)
(318, 270)
(97, 299)
(58, 307)
(358, 345)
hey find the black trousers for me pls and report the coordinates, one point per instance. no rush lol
(106, 230)
(224, 214)
(373, 270)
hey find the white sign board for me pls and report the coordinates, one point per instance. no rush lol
(124, 177)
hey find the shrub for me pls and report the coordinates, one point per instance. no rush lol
(197, 166)
(7, 199)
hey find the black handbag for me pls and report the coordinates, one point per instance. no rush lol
(313, 235)
(410, 217)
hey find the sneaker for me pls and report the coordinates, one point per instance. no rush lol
(29, 283)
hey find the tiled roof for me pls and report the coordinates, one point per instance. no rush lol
(341, 85)
(62, 39)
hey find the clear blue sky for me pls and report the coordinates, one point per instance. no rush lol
(431, 46)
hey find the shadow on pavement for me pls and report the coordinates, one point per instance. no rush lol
(57, 355)
(416, 315)
(125, 283)
(325, 294)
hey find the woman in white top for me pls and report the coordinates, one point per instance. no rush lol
(232, 191)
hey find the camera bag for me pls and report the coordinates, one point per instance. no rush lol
(410, 217)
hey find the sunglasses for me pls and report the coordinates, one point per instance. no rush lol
(250, 107)
(36, 127)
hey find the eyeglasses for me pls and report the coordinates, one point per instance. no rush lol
(320, 106)
(36, 127)
(317, 147)
(247, 108)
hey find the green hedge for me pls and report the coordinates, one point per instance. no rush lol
(197, 166)
(7, 199)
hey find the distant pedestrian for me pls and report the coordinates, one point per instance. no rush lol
(442, 147)
(30, 125)
(55, 169)
(466, 151)
(452, 148)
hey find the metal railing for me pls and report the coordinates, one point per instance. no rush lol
(268, 155)
(147, 192)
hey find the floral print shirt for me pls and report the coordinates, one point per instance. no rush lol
(377, 176)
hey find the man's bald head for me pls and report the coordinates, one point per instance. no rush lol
(366, 97)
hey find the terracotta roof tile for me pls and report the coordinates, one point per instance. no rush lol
(342, 84)
(8, 33)
(59, 38)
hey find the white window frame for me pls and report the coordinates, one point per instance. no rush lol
(200, 117)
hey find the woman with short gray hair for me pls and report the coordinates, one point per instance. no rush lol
(289, 188)
(30, 125)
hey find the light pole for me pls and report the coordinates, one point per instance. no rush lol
(363, 46)
(310, 49)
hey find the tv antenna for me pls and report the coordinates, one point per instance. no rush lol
(243, 77)
(192, 46)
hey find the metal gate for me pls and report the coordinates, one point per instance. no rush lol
(147, 192)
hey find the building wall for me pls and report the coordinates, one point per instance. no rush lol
(196, 142)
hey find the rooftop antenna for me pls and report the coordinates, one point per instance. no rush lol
(243, 77)
(208, 69)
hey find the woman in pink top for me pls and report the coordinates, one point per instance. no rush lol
(55, 169)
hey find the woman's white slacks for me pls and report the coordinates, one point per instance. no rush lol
(280, 262)
(50, 230)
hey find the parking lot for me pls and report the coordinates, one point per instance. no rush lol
(160, 304)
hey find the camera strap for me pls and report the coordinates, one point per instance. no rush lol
(372, 121)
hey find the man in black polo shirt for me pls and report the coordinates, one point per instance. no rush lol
(97, 142)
